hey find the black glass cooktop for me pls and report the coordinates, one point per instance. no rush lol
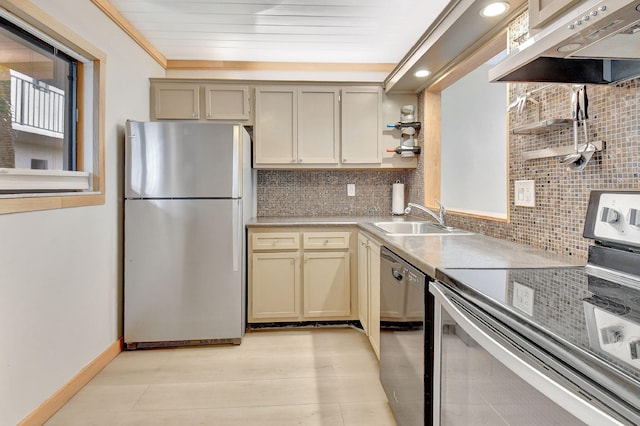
(589, 315)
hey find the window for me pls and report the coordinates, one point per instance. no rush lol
(38, 86)
(51, 114)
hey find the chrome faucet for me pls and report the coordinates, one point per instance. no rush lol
(438, 217)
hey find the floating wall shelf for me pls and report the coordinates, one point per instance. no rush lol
(543, 126)
(558, 151)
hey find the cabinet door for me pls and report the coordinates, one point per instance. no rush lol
(275, 285)
(542, 11)
(327, 287)
(276, 126)
(176, 101)
(363, 283)
(226, 102)
(361, 125)
(374, 296)
(318, 124)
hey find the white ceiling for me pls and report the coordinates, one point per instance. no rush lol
(334, 31)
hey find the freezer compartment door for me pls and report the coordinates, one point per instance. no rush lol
(183, 160)
(182, 270)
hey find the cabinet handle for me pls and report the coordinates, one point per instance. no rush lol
(344, 160)
(326, 242)
(299, 160)
(275, 242)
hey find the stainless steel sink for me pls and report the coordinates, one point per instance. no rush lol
(418, 228)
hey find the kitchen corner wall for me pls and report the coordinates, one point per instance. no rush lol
(557, 220)
(324, 192)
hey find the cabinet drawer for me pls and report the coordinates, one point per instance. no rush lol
(276, 241)
(326, 240)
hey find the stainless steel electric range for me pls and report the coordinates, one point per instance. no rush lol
(544, 346)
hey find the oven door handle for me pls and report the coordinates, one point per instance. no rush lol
(511, 357)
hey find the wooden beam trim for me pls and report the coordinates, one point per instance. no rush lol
(48, 408)
(276, 66)
(108, 9)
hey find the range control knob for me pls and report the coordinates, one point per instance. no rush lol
(609, 215)
(634, 347)
(611, 335)
(634, 217)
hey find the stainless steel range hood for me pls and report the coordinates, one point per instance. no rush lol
(597, 42)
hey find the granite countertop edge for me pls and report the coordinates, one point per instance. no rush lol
(431, 253)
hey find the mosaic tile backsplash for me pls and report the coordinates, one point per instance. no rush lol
(556, 222)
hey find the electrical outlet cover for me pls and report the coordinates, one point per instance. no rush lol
(525, 193)
(523, 298)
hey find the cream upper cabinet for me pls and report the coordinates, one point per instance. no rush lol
(226, 102)
(182, 101)
(361, 125)
(175, 101)
(276, 128)
(542, 11)
(318, 125)
(297, 125)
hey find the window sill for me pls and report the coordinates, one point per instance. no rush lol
(64, 189)
(23, 182)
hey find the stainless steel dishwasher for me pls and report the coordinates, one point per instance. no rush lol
(402, 338)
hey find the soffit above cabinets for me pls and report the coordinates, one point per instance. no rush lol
(456, 34)
(297, 31)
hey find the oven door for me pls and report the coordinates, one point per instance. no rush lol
(484, 373)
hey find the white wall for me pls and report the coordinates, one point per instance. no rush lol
(60, 270)
(474, 145)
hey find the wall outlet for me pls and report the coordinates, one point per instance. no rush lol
(525, 193)
(351, 190)
(523, 298)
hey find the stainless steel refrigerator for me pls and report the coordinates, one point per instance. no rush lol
(188, 194)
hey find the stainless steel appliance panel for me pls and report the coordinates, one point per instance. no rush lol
(484, 373)
(183, 160)
(183, 265)
(402, 338)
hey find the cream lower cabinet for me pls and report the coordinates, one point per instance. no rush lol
(369, 289)
(300, 276)
(327, 288)
(276, 284)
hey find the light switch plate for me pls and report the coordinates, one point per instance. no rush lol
(525, 193)
(351, 190)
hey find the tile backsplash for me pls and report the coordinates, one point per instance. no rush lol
(556, 222)
(324, 193)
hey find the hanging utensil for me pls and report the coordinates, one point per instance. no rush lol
(589, 148)
(575, 115)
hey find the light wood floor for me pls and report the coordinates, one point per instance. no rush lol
(319, 376)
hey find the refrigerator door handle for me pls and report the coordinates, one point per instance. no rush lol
(237, 238)
(236, 188)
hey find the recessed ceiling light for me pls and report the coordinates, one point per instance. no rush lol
(494, 9)
(569, 47)
(421, 73)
